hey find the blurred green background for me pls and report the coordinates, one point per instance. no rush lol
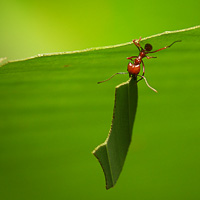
(45, 150)
(34, 27)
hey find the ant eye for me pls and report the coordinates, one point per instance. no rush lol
(148, 47)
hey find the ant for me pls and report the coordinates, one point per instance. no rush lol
(134, 66)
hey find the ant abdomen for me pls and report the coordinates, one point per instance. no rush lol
(133, 69)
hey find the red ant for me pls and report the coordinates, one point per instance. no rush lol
(134, 68)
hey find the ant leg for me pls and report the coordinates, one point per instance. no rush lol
(112, 76)
(137, 44)
(143, 68)
(142, 73)
(142, 77)
(148, 57)
(130, 58)
(165, 47)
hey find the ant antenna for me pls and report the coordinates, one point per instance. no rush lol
(148, 84)
(112, 76)
(174, 42)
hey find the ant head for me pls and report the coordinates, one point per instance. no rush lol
(148, 47)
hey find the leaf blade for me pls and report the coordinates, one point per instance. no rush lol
(112, 153)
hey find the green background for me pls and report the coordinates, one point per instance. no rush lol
(34, 27)
(47, 155)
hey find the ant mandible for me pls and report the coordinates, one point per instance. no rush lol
(134, 68)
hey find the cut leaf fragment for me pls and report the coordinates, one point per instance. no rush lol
(112, 153)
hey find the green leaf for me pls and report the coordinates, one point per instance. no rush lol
(51, 106)
(112, 153)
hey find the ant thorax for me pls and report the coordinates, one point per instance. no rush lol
(137, 61)
(142, 54)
